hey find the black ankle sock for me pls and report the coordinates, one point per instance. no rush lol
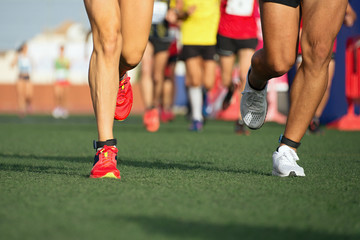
(257, 89)
(100, 144)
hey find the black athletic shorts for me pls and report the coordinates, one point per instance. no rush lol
(159, 44)
(228, 46)
(206, 52)
(291, 3)
(24, 76)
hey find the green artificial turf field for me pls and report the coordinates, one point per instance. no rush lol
(175, 184)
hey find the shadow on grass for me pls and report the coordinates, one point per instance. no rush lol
(186, 167)
(150, 164)
(46, 119)
(40, 169)
(179, 228)
(47, 157)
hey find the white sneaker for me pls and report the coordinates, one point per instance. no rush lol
(64, 113)
(253, 106)
(56, 113)
(284, 163)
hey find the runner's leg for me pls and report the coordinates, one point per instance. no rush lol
(135, 31)
(280, 43)
(161, 59)
(103, 72)
(322, 21)
(147, 84)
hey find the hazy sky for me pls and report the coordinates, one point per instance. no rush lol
(23, 19)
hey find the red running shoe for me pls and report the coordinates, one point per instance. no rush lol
(105, 163)
(124, 99)
(147, 117)
(166, 116)
(152, 120)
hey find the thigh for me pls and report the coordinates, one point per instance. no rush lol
(244, 56)
(135, 30)
(161, 59)
(104, 18)
(291, 3)
(147, 61)
(227, 64)
(280, 27)
(194, 67)
(322, 20)
(57, 89)
(20, 85)
(29, 87)
(209, 74)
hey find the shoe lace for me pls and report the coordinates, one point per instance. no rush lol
(291, 157)
(122, 88)
(107, 153)
(255, 100)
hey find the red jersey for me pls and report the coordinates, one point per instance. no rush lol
(237, 19)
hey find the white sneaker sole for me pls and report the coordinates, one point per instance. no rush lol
(248, 124)
(290, 174)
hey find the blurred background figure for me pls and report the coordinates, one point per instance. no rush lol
(168, 89)
(236, 40)
(23, 85)
(199, 28)
(314, 127)
(154, 63)
(62, 66)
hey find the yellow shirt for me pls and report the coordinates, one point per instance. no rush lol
(201, 27)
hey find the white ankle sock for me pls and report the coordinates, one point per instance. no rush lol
(196, 101)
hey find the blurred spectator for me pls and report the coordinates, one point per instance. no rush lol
(154, 63)
(62, 66)
(200, 23)
(236, 39)
(23, 85)
(168, 90)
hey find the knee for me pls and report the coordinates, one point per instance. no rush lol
(195, 82)
(328, 86)
(278, 65)
(158, 77)
(316, 53)
(146, 68)
(208, 85)
(131, 57)
(108, 43)
(281, 65)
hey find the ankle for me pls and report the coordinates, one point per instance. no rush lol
(288, 142)
(257, 85)
(100, 144)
